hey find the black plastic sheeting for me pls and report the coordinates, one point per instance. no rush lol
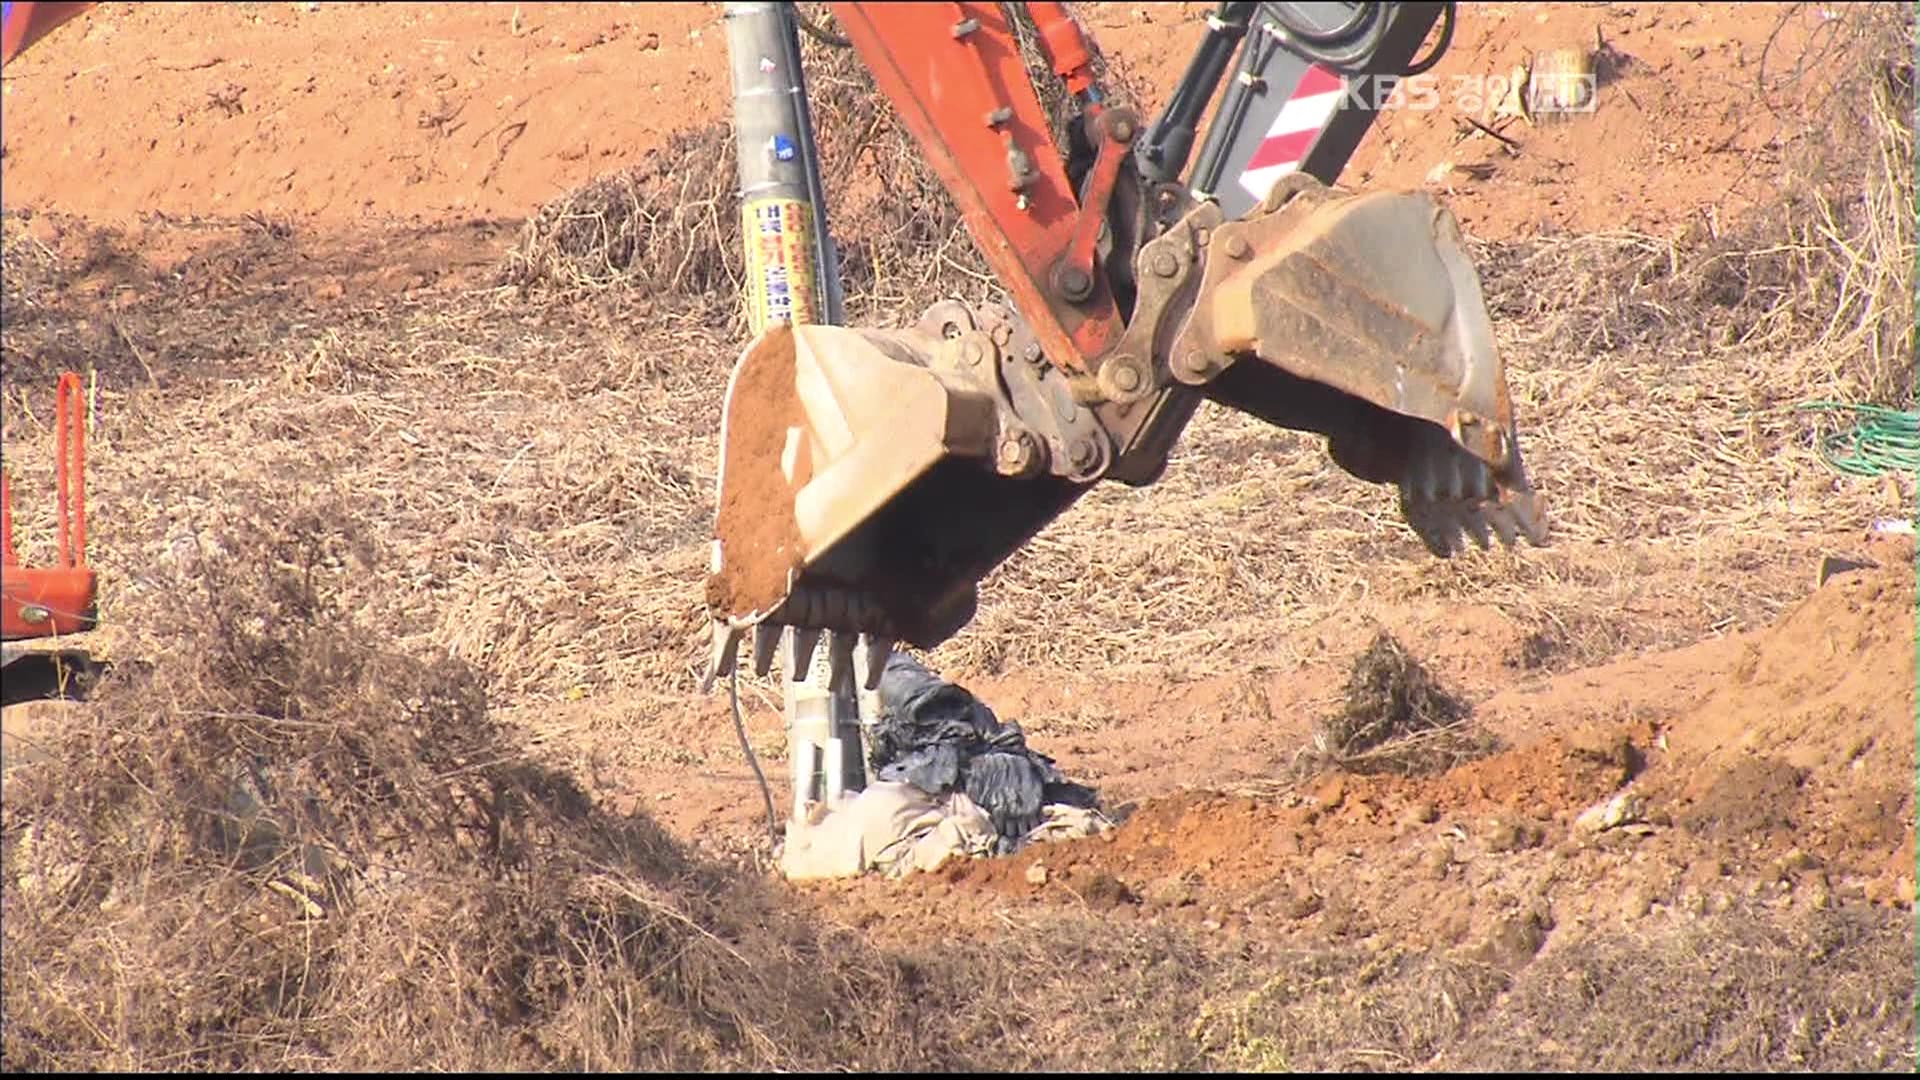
(941, 739)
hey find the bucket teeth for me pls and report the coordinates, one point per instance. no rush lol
(1445, 524)
(726, 647)
(1531, 517)
(840, 656)
(1503, 526)
(766, 646)
(872, 660)
(800, 660)
(1476, 523)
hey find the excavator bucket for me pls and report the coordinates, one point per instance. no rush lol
(862, 490)
(1362, 318)
(870, 479)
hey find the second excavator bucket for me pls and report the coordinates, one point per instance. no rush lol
(1361, 317)
(863, 490)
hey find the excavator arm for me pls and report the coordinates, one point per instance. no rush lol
(955, 75)
(871, 478)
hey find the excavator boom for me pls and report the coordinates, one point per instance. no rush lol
(870, 479)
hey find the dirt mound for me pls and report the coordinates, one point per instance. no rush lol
(1810, 742)
(441, 113)
(341, 111)
(1675, 99)
(1798, 772)
(292, 846)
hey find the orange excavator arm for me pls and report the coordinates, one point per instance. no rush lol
(22, 24)
(956, 77)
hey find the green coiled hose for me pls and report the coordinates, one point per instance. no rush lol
(1879, 441)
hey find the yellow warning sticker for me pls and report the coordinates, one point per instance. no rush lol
(780, 275)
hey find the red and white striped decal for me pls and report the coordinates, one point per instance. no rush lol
(1308, 109)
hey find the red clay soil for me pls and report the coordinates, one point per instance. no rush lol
(338, 112)
(1793, 779)
(1680, 101)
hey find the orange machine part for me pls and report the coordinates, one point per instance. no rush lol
(48, 601)
(955, 75)
(26, 23)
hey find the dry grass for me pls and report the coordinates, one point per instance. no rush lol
(668, 228)
(293, 846)
(1396, 718)
(1745, 990)
(1748, 990)
(1343, 1009)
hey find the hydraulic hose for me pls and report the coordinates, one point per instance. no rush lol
(1447, 15)
(1363, 14)
(1349, 45)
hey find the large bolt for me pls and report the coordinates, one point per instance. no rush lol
(1196, 363)
(1074, 282)
(1165, 264)
(1237, 247)
(1120, 126)
(1123, 377)
(1018, 453)
(1033, 353)
(1083, 453)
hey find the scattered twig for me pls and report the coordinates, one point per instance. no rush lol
(197, 65)
(139, 354)
(1512, 145)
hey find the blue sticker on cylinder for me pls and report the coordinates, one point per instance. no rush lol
(783, 148)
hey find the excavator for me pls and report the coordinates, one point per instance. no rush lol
(58, 600)
(871, 479)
